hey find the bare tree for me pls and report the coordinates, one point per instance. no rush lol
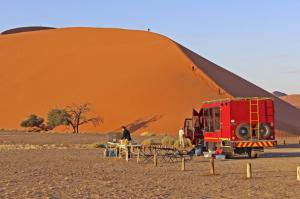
(77, 116)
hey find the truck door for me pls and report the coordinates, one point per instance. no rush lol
(196, 124)
(188, 128)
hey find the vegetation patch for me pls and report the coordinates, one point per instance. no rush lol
(99, 145)
(150, 141)
(73, 116)
(168, 140)
(187, 143)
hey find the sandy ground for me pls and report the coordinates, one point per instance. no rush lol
(83, 172)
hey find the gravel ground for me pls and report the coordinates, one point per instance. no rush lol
(69, 172)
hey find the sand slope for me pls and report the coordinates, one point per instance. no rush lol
(130, 77)
(292, 99)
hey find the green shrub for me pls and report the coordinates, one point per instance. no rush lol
(57, 117)
(33, 121)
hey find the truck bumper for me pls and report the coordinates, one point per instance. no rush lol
(261, 143)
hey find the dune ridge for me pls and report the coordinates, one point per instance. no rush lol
(136, 78)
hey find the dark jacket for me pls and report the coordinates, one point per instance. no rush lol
(126, 135)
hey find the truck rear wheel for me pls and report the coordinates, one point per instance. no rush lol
(243, 131)
(264, 131)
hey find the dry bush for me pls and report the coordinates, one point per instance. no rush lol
(147, 134)
(187, 143)
(176, 144)
(150, 141)
(168, 141)
(147, 142)
(99, 145)
(19, 146)
(13, 130)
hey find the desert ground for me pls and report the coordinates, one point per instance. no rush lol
(44, 165)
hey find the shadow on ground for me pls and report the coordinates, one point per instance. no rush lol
(141, 123)
(280, 155)
(288, 146)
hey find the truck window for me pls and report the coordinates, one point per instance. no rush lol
(217, 118)
(206, 120)
(212, 119)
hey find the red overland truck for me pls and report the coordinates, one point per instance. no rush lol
(236, 126)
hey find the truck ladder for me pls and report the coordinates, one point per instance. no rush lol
(254, 116)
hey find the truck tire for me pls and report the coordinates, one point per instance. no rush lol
(243, 131)
(264, 131)
(254, 154)
(251, 153)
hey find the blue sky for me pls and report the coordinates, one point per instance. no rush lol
(258, 40)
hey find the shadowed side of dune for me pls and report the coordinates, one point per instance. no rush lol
(25, 29)
(292, 99)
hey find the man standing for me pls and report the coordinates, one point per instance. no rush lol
(126, 133)
(181, 139)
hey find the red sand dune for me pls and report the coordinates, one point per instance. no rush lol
(130, 77)
(292, 99)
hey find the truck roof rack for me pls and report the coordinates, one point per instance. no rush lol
(236, 99)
